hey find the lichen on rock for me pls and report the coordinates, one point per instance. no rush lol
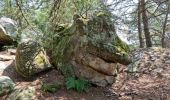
(31, 59)
(92, 47)
(23, 94)
(6, 85)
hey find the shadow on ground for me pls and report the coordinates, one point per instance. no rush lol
(51, 76)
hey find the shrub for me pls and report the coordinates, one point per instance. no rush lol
(78, 84)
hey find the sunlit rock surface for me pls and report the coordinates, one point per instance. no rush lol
(8, 31)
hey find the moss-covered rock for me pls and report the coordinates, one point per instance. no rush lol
(104, 42)
(31, 59)
(6, 85)
(23, 94)
(92, 47)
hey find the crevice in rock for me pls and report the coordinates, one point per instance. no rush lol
(106, 60)
(85, 61)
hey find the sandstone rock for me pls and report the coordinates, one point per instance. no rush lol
(23, 94)
(31, 59)
(8, 30)
(92, 47)
(97, 64)
(6, 85)
(97, 58)
(93, 76)
(109, 56)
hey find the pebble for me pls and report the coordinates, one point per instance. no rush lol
(167, 62)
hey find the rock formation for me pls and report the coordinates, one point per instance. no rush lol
(92, 48)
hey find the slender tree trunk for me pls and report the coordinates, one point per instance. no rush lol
(141, 42)
(145, 25)
(164, 28)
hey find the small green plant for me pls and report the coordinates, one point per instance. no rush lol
(78, 84)
(51, 87)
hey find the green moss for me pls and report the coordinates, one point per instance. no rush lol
(122, 45)
(99, 31)
(30, 59)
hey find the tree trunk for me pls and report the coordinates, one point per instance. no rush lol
(164, 28)
(145, 24)
(141, 42)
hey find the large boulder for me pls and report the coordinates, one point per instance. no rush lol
(92, 48)
(23, 94)
(31, 59)
(6, 85)
(8, 31)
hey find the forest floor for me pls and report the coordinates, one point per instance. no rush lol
(51, 76)
(151, 82)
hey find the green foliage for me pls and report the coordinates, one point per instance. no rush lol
(78, 84)
(52, 88)
(40, 20)
(84, 7)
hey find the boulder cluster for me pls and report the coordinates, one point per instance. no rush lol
(90, 47)
(96, 49)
